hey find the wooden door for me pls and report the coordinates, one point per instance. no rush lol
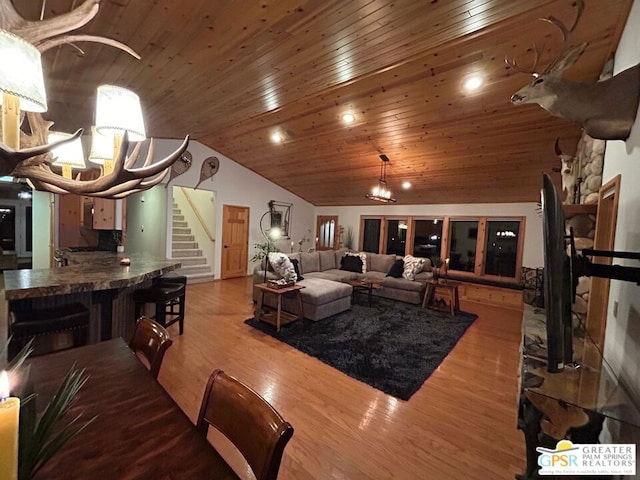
(235, 241)
(327, 232)
(604, 240)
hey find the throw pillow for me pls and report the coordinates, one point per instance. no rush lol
(296, 267)
(397, 269)
(351, 263)
(363, 258)
(412, 266)
(282, 265)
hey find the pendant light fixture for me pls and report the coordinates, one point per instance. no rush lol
(380, 193)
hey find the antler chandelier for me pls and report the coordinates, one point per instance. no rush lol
(21, 42)
(380, 192)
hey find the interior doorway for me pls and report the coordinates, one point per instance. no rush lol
(235, 241)
(604, 239)
(327, 232)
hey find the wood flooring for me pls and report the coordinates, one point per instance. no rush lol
(460, 425)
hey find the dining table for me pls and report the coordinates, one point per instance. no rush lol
(139, 432)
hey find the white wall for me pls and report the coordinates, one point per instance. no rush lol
(146, 232)
(622, 343)
(532, 255)
(237, 185)
(41, 220)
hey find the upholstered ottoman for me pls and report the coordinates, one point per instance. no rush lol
(320, 298)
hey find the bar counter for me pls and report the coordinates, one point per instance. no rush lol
(94, 279)
(98, 271)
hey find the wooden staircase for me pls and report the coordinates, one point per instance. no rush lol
(186, 249)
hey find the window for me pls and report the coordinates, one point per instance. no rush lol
(463, 243)
(427, 239)
(371, 235)
(396, 237)
(476, 247)
(502, 248)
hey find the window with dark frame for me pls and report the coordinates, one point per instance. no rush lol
(501, 255)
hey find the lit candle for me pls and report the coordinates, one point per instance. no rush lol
(9, 416)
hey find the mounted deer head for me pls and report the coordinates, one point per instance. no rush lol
(605, 109)
(568, 171)
(34, 161)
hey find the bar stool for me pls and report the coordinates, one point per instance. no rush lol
(169, 299)
(46, 325)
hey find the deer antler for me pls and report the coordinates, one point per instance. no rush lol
(529, 71)
(565, 43)
(122, 180)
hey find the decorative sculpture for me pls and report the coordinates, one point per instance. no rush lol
(33, 161)
(606, 109)
(569, 173)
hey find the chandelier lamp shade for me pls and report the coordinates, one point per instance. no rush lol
(102, 147)
(68, 155)
(380, 193)
(21, 84)
(118, 111)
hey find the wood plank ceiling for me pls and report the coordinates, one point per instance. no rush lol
(233, 72)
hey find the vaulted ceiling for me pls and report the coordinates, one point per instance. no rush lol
(232, 72)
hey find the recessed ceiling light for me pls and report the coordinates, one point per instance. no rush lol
(276, 137)
(406, 185)
(348, 118)
(473, 83)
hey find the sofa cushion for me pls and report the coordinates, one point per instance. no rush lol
(336, 275)
(339, 254)
(423, 276)
(379, 262)
(412, 266)
(428, 266)
(309, 262)
(402, 284)
(397, 269)
(351, 263)
(319, 290)
(296, 266)
(327, 260)
(282, 265)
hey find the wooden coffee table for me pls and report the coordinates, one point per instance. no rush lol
(278, 317)
(364, 285)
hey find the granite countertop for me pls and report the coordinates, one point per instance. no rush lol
(100, 271)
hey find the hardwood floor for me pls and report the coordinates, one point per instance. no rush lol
(460, 425)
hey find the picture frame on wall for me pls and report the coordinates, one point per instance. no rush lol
(281, 217)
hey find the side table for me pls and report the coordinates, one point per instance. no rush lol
(278, 317)
(442, 289)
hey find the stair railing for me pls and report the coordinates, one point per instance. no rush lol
(197, 214)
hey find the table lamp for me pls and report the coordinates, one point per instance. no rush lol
(68, 155)
(118, 111)
(21, 84)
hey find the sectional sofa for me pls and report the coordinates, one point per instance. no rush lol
(326, 292)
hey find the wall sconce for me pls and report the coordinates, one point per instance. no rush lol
(21, 84)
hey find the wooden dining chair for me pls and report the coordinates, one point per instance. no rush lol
(152, 341)
(248, 421)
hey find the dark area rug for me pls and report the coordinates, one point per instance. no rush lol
(392, 346)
